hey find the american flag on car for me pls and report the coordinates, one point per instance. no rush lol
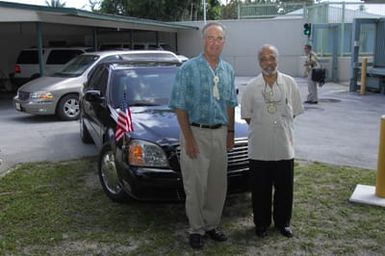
(124, 122)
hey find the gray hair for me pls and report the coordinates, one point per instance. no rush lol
(211, 24)
(270, 47)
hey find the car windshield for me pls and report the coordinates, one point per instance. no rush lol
(142, 86)
(76, 66)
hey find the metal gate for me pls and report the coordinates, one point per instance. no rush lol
(377, 71)
(327, 34)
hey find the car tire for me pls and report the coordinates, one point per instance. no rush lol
(68, 107)
(108, 176)
(85, 135)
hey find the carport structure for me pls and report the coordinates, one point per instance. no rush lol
(23, 26)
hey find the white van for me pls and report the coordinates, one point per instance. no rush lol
(58, 93)
(27, 63)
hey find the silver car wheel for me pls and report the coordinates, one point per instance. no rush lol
(109, 173)
(71, 107)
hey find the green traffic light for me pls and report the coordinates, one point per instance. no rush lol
(307, 29)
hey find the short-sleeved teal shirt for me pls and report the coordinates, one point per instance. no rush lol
(193, 91)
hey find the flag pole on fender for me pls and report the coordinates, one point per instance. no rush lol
(124, 122)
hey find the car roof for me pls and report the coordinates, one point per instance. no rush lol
(139, 55)
(120, 65)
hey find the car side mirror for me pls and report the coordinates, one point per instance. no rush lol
(93, 96)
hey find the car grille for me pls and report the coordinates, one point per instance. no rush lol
(238, 159)
(23, 95)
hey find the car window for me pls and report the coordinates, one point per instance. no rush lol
(62, 56)
(28, 57)
(105, 47)
(139, 47)
(142, 86)
(102, 84)
(77, 66)
(153, 47)
(93, 78)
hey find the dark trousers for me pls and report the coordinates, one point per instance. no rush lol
(266, 177)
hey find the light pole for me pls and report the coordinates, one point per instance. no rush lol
(204, 10)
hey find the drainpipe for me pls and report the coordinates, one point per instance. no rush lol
(342, 30)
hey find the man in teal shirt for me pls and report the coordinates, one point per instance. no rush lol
(204, 98)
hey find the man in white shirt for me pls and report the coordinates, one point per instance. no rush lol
(269, 104)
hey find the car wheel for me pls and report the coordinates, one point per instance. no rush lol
(108, 176)
(84, 133)
(68, 107)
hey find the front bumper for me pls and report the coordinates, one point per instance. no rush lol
(150, 184)
(35, 108)
(167, 184)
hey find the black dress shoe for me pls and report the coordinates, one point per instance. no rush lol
(261, 232)
(313, 102)
(286, 231)
(196, 241)
(217, 235)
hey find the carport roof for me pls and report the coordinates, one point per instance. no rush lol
(15, 12)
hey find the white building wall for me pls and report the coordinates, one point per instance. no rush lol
(245, 37)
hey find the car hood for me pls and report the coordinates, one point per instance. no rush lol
(50, 83)
(157, 124)
(160, 125)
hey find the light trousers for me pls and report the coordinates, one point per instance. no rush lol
(205, 179)
(312, 89)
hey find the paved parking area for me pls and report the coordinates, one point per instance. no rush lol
(28, 138)
(343, 129)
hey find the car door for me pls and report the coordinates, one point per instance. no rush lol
(94, 108)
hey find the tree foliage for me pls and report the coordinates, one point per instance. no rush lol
(181, 10)
(165, 10)
(263, 7)
(55, 3)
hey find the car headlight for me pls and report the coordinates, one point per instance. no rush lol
(144, 153)
(42, 96)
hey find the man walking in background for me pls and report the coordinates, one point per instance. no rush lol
(310, 63)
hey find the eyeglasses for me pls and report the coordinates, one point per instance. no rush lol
(218, 39)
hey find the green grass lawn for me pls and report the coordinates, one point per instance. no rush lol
(60, 209)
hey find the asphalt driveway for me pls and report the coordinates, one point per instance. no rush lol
(343, 129)
(28, 138)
